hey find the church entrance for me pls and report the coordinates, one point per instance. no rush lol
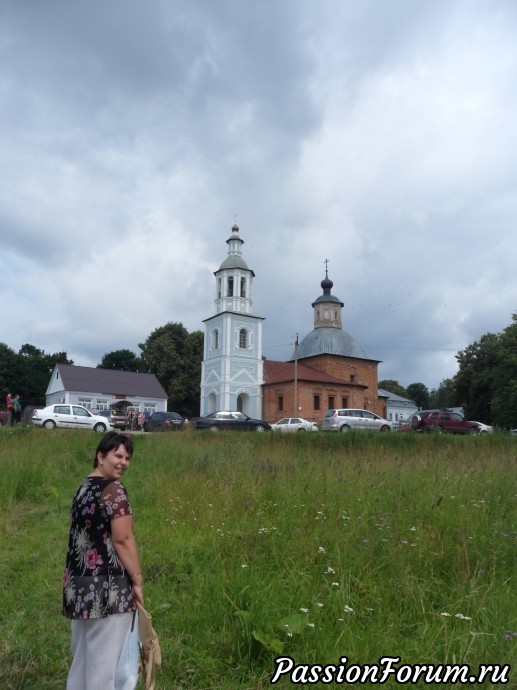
(243, 403)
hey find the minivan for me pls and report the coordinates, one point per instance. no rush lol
(346, 419)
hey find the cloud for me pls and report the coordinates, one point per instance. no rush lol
(376, 135)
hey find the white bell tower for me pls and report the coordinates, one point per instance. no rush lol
(232, 369)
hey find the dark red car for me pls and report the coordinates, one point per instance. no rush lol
(443, 422)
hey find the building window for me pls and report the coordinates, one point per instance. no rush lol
(102, 405)
(86, 402)
(243, 287)
(215, 339)
(149, 407)
(316, 402)
(331, 402)
(218, 288)
(280, 403)
(243, 338)
(344, 402)
(229, 292)
(352, 378)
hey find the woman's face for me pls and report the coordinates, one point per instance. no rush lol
(113, 464)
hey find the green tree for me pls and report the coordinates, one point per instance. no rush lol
(504, 379)
(479, 365)
(445, 395)
(121, 360)
(175, 356)
(418, 393)
(27, 372)
(393, 387)
(8, 371)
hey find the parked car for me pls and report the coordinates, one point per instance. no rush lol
(118, 418)
(346, 419)
(485, 428)
(235, 421)
(443, 421)
(3, 417)
(164, 421)
(405, 426)
(294, 424)
(70, 417)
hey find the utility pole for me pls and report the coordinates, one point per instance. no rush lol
(296, 377)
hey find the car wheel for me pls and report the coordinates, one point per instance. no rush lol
(99, 428)
(345, 427)
(473, 431)
(49, 424)
(385, 427)
(438, 429)
(259, 427)
(214, 427)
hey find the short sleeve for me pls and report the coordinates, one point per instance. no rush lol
(115, 501)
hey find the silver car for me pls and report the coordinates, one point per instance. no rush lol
(70, 417)
(346, 419)
(294, 424)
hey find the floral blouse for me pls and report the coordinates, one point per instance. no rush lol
(95, 583)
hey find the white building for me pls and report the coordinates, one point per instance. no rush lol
(100, 389)
(398, 409)
(232, 369)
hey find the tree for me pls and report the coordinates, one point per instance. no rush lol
(393, 387)
(121, 360)
(478, 366)
(28, 372)
(175, 356)
(445, 395)
(418, 393)
(504, 378)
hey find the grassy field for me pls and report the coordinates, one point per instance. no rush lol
(255, 546)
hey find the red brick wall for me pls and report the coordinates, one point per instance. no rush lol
(359, 387)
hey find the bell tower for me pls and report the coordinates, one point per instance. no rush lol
(232, 368)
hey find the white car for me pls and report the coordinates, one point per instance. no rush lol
(346, 419)
(70, 417)
(484, 428)
(294, 424)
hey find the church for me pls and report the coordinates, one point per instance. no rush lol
(328, 368)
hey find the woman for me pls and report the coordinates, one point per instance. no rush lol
(102, 580)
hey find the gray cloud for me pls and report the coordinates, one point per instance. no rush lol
(377, 135)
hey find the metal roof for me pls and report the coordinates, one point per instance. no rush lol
(110, 381)
(329, 341)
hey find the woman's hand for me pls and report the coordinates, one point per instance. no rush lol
(138, 595)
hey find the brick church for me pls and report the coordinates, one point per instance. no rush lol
(328, 368)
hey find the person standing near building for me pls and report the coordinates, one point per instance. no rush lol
(17, 409)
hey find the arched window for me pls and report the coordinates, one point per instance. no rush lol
(215, 339)
(243, 338)
(229, 292)
(243, 287)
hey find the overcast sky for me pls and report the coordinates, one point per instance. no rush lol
(378, 135)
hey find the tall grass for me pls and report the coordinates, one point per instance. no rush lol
(315, 546)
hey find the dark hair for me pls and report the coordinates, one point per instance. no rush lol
(111, 441)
